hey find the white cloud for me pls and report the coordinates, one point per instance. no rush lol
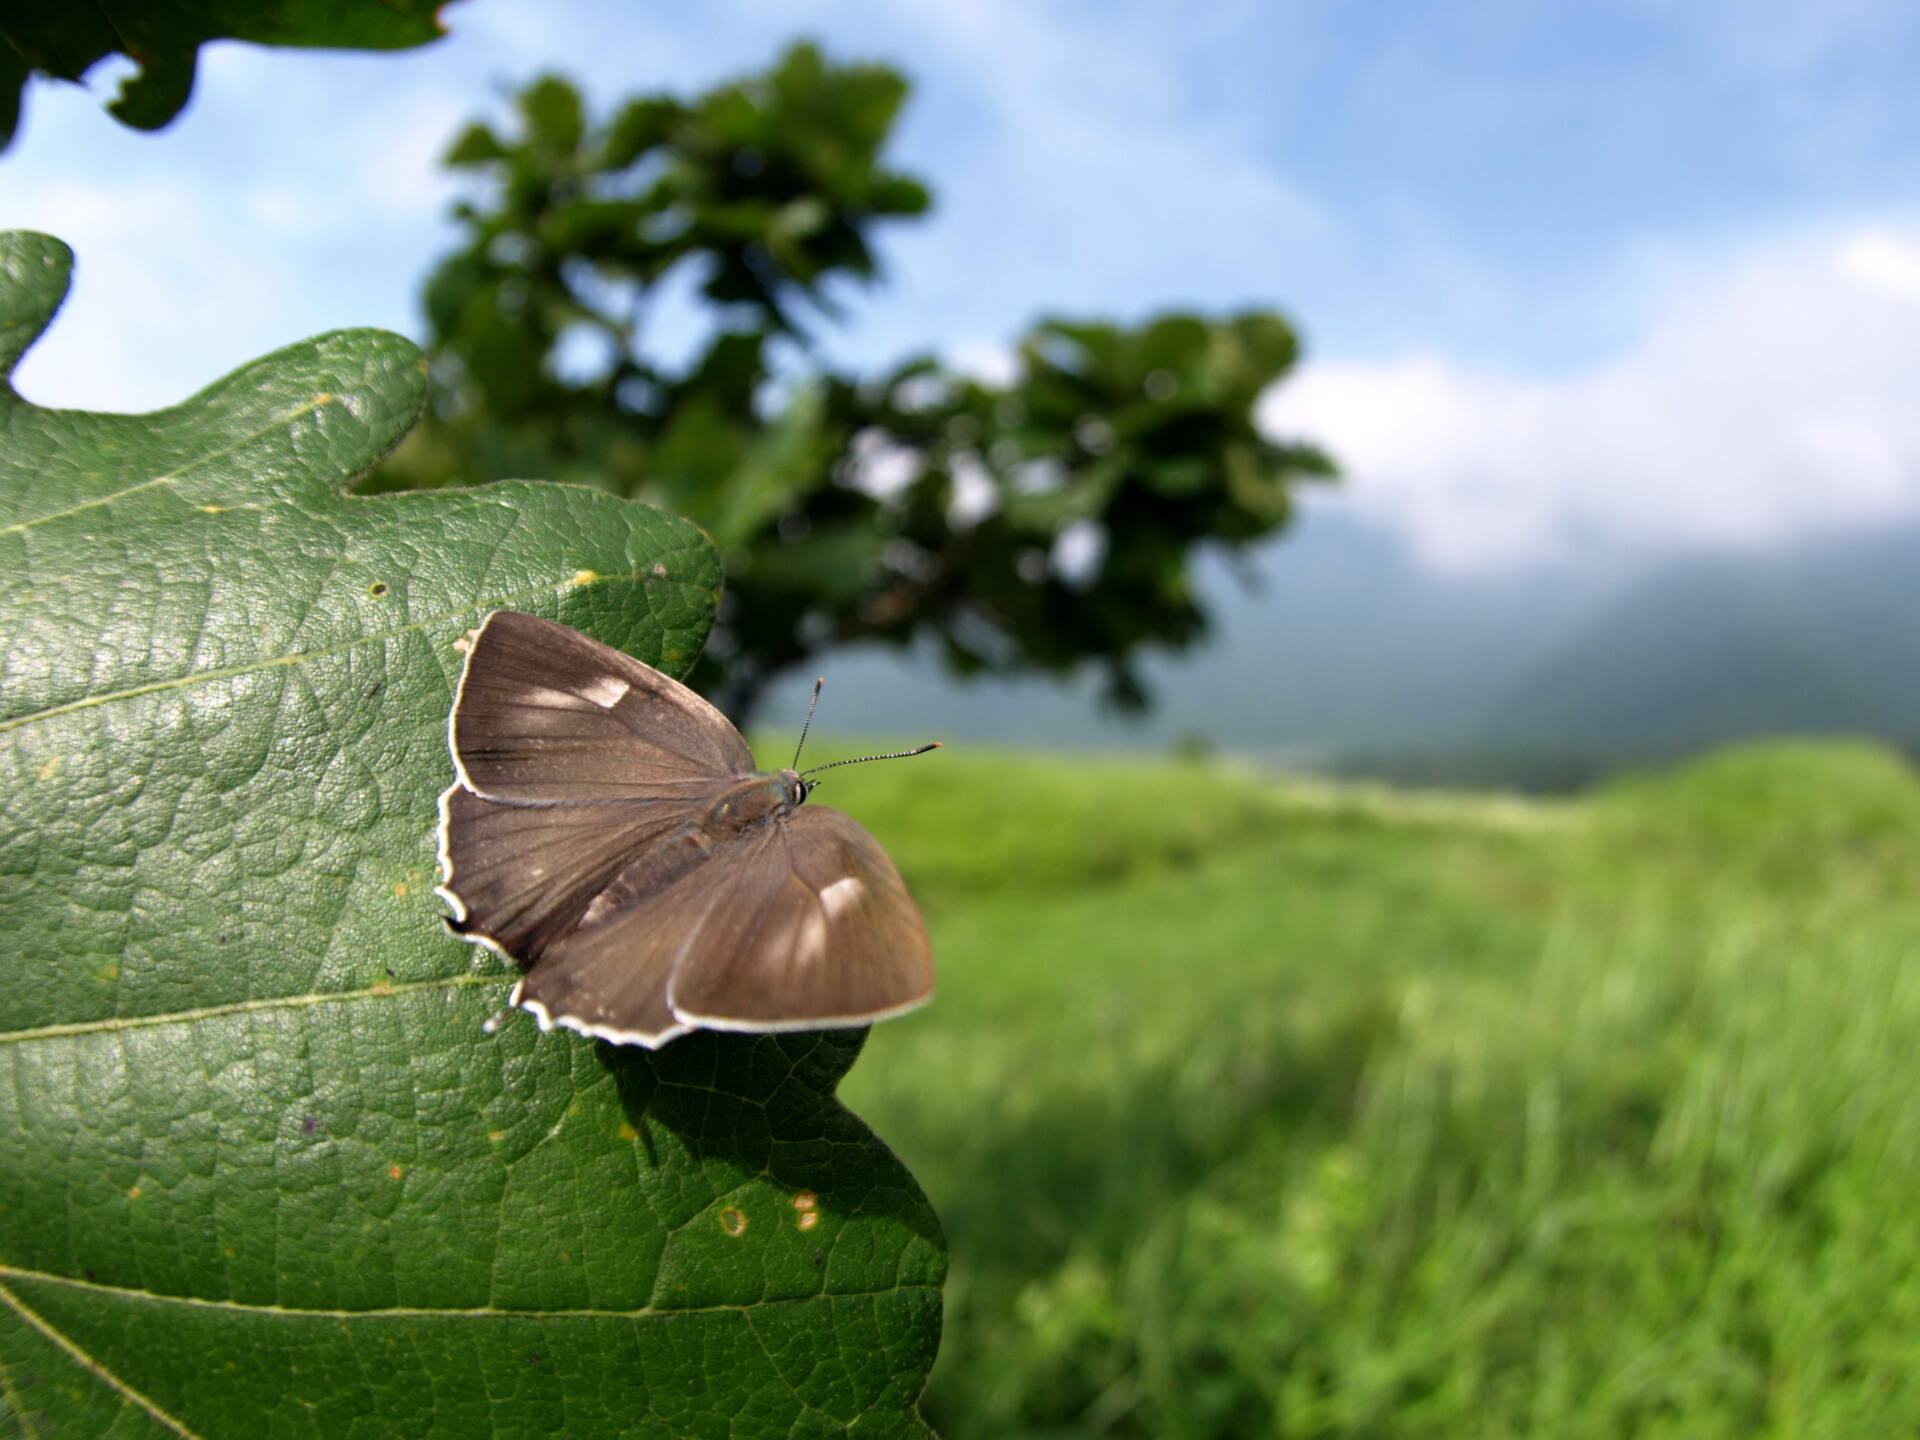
(1771, 398)
(989, 363)
(146, 325)
(1881, 260)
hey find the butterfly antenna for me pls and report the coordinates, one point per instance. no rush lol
(809, 725)
(895, 755)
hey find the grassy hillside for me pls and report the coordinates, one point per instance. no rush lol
(1257, 1110)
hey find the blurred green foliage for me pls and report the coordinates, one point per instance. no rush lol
(1037, 524)
(1342, 1112)
(63, 42)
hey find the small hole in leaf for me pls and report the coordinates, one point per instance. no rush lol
(377, 589)
(733, 1222)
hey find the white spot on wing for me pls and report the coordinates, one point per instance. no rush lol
(840, 896)
(548, 698)
(606, 692)
(810, 945)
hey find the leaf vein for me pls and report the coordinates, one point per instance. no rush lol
(428, 1312)
(87, 1362)
(28, 1431)
(239, 1007)
(227, 672)
(174, 476)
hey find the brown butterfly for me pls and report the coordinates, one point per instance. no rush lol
(609, 832)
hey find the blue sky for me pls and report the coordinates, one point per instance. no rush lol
(1642, 274)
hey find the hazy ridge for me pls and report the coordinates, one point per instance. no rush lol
(1349, 654)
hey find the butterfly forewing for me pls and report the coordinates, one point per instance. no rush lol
(820, 931)
(520, 876)
(547, 714)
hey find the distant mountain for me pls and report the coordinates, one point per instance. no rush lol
(1822, 637)
(1344, 643)
(1348, 654)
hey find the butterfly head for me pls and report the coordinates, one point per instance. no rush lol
(795, 787)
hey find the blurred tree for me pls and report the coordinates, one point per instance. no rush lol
(1038, 524)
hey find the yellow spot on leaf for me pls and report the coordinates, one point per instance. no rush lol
(808, 1204)
(808, 1220)
(111, 973)
(659, 571)
(399, 887)
(627, 1132)
(48, 770)
(496, 1136)
(733, 1222)
(380, 987)
(585, 577)
(212, 509)
(395, 1172)
(134, 1193)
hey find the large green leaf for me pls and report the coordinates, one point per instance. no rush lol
(65, 38)
(262, 1172)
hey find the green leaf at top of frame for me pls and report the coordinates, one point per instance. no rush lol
(262, 1172)
(63, 40)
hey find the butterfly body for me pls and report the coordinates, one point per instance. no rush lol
(609, 831)
(732, 819)
(755, 801)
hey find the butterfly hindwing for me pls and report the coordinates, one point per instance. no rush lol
(820, 931)
(610, 977)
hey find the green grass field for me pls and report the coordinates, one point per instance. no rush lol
(1266, 1110)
